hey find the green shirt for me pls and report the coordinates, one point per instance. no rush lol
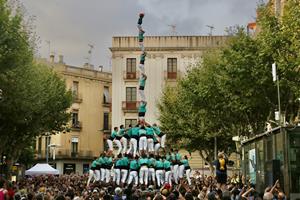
(143, 161)
(129, 132)
(94, 163)
(141, 35)
(121, 132)
(185, 162)
(168, 157)
(114, 134)
(118, 163)
(142, 81)
(124, 161)
(167, 164)
(178, 156)
(101, 160)
(173, 157)
(152, 162)
(142, 107)
(149, 131)
(108, 161)
(159, 164)
(142, 132)
(156, 130)
(134, 165)
(135, 131)
(142, 57)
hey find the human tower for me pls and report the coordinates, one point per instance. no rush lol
(142, 163)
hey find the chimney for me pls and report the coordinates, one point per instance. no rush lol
(52, 58)
(61, 59)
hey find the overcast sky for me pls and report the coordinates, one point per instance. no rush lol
(70, 25)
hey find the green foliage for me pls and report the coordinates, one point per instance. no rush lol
(231, 92)
(15, 47)
(34, 100)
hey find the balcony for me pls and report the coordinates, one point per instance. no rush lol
(65, 154)
(130, 106)
(77, 98)
(172, 76)
(106, 102)
(130, 76)
(77, 126)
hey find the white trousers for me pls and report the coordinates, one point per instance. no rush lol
(102, 174)
(110, 145)
(118, 143)
(133, 175)
(143, 143)
(117, 176)
(175, 173)
(181, 171)
(141, 44)
(159, 177)
(97, 175)
(163, 141)
(168, 177)
(142, 95)
(92, 175)
(151, 174)
(132, 147)
(139, 26)
(188, 176)
(156, 148)
(142, 68)
(144, 175)
(124, 143)
(150, 145)
(124, 173)
(107, 175)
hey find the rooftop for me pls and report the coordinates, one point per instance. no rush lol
(120, 43)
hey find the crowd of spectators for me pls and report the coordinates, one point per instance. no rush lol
(73, 187)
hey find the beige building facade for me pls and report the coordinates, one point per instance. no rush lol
(72, 152)
(167, 60)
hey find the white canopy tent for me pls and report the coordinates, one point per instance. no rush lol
(41, 169)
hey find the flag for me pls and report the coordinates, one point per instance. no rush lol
(274, 72)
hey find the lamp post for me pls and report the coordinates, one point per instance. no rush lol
(47, 135)
(276, 78)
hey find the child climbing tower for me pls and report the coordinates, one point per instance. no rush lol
(143, 76)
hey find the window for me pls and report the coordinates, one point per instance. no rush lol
(133, 122)
(74, 146)
(172, 68)
(172, 65)
(106, 94)
(131, 65)
(106, 121)
(130, 94)
(75, 122)
(75, 88)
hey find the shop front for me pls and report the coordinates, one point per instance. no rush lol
(274, 155)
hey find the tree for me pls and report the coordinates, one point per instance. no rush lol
(35, 100)
(231, 91)
(16, 47)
